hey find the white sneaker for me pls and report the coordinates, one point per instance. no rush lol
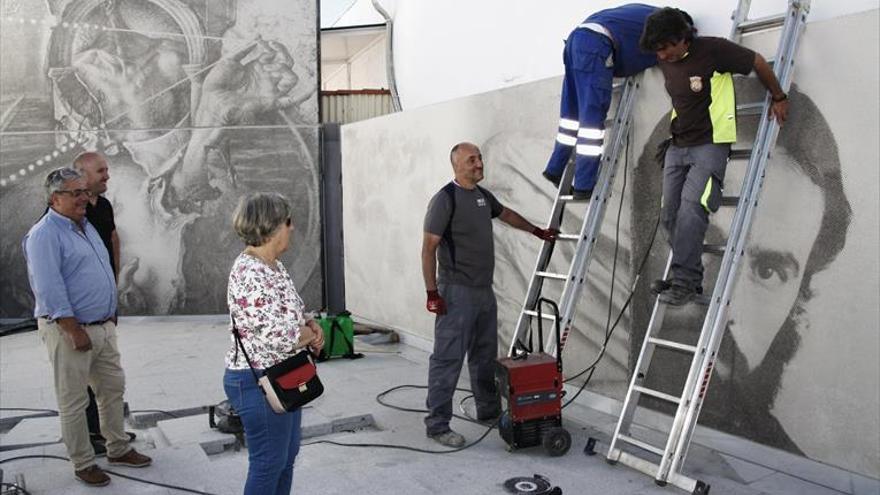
(449, 439)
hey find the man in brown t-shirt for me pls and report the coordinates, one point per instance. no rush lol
(698, 78)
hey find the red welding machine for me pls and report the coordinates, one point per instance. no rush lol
(530, 385)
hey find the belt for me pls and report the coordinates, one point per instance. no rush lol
(597, 28)
(97, 322)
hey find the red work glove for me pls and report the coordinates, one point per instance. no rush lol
(545, 234)
(435, 303)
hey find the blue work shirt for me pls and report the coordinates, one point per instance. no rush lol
(69, 270)
(626, 24)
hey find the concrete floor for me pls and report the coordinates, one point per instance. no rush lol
(176, 364)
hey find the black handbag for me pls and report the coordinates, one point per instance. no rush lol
(290, 384)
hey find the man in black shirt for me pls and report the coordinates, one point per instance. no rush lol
(698, 78)
(99, 213)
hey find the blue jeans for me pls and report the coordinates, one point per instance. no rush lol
(272, 439)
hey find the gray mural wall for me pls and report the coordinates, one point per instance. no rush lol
(799, 365)
(194, 102)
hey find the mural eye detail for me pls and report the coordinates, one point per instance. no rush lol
(771, 268)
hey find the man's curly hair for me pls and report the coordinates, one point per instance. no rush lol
(665, 26)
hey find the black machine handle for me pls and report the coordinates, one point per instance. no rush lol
(555, 308)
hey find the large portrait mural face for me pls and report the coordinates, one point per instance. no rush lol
(194, 103)
(799, 229)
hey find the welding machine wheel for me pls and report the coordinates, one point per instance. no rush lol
(557, 441)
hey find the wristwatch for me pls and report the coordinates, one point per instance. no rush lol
(777, 99)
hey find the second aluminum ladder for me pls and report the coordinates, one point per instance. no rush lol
(672, 454)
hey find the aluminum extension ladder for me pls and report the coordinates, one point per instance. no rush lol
(673, 454)
(586, 240)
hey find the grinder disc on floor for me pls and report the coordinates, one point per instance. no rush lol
(528, 486)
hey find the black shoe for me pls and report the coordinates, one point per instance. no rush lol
(678, 295)
(660, 286)
(100, 448)
(552, 178)
(581, 194)
(98, 438)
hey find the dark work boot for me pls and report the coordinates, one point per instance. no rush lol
(552, 178)
(678, 295)
(660, 286)
(581, 194)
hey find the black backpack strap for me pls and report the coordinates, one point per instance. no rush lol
(449, 189)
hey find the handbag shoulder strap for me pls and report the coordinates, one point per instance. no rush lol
(241, 346)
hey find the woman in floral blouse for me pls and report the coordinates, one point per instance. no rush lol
(269, 316)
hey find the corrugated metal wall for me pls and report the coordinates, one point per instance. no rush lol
(346, 106)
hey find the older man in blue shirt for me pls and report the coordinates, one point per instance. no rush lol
(75, 305)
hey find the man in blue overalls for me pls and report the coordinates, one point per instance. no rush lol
(604, 46)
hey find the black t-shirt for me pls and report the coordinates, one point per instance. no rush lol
(689, 84)
(101, 217)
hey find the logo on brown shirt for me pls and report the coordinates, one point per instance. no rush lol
(696, 84)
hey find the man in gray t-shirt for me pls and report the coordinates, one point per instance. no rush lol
(459, 225)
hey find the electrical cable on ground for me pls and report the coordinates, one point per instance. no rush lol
(114, 473)
(380, 399)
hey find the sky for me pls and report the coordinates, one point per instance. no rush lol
(332, 9)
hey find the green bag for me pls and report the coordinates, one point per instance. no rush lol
(338, 337)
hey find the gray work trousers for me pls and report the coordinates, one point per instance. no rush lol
(470, 326)
(693, 178)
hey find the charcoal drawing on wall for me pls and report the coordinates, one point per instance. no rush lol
(799, 229)
(194, 102)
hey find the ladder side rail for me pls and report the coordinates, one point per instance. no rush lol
(740, 14)
(536, 283)
(595, 214)
(702, 360)
(795, 25)
(534, 289)
(710, 334)
(631, 400)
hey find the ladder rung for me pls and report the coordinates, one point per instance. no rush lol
(534, 314)
(640, 444)
(557, 276)
(658, 394)
(673, 345)
(714, 249)
(729, 200)
(743, 154)
(567, 237)
(750, 108)
(570, 197)
(762, 23)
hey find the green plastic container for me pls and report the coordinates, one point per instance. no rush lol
(338, 336)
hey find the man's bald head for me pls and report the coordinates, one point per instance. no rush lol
(94, 168)
(459, 150)
(467, 163)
